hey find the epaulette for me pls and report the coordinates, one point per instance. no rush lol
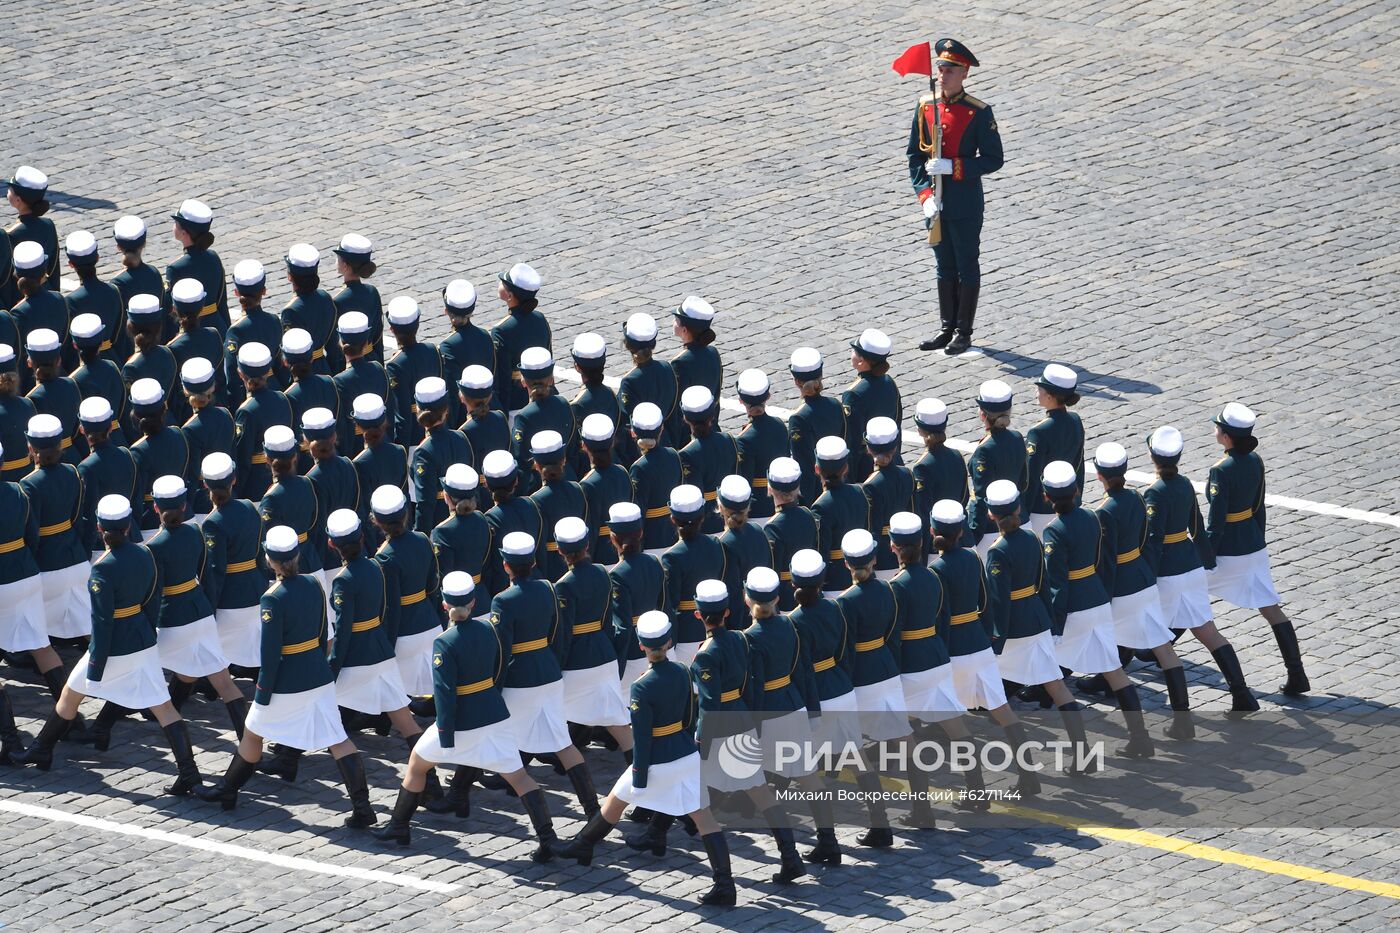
(973, 102)
(925, 99)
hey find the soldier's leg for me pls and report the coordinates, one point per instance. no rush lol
(580, 777)
(1297, 684)
(722, 893)
(966, 235)
(415, 778)
(947, 272)
(537, 809)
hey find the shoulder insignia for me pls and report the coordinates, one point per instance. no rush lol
(973, 102)
(634, 706)
(339, 600)
(1030, 448)
(393, 382)
(209, 541)
(705, 674)
(495, 618)
(1212, 489)
(1049, 548)
(238, 431)
(267, 615)
(437, 659)
(996, 569)
(232, 346)
(993, 125)
(95, 586)
(1151, 510)
(981, 467)
(418, 469)
(925, 98)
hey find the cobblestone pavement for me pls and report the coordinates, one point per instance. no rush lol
(1195, 208)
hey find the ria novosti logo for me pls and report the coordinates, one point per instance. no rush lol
(742, 756)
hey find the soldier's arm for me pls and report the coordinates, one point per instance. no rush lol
(1108, 549)
(1199, 536)
(807, 678)
(898, 620)
(998, 573)
(1259, 502)
(392, 591)
(271, 650)
(562, 632)
(445, 693)
(641, 736)
(918, 174)
(706, 676)
(1217, 504)
(620, 619)
(1056, 580)
(425, 483)
(102, 605)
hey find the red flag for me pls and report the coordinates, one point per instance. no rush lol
(917, 59)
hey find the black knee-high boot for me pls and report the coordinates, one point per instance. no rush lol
(580, 848)
(101, 728)
(582, 781)
(237, 715)
(790, 867)
(879, 835)
(352, 772)
(1229, 664)
(1139, 742)
(77, 732)
(179, 692)
(1297, 684)
(1182, 726)
(1027, 782)
(721, 893)
(458, 798)
(967, 316)
(225, 791)
(827, 851)
(11, 742)
(397, 829)
(283, 763)
(947, 315)
(40, 754)
(178, 735)
(537, 808)
(653, 838)
(1073, 715)
(432, 796)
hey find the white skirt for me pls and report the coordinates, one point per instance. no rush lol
(131, 680)
(1029, 660)
(537, 713)
(371, 688)
(308, 720)
(192, 650)
(323, 577)
(593, 697)
(22, 626)
(929, 695)
(724, 779)
(630, 672)
(240, 635)
(490, 748)
(415, 656)
(1137, 620)
(1087, 645)
(839, 723)
(977, 680)
(1185, 599)
(684, 653)
(794, 728)
(1041, 522)
(882, 712)
(66, 604)
(1243, 580)
(673, 788)
(412, 487)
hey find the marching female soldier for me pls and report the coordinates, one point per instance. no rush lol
(511, 512)
(639, 585)
(209, 430)
(295, 700)
(839, 509)
(311, 309)
(1137, 609)
(55, 494)
(557, 498)
(522, 327)
(819, 416)
(590, 356)
(136, 278)
(96, 297)
(976, 680)
(665, 772)
(1059, 436)
(361, 375)
(654, 473)
(382, 462)
(336, 482)
(160, 449)
(1176, 549)
(22, 617)
(592, 689)
(55, 394)
(889, 489)
(187, 635)
(711, 454)
(411, 568)
(940, 472)
(150, 359)
(467, 345)
(194, 340)
(233, 579)
(698, 364)
(122, 665)
(15, 412)
(745, 546)
(473, 729)
(39, 308)
(695, 557)
(872, 395)
(1235, 527)
(1076, 564)
(546, 411)
(307, 389)
(26, 191)
(1018, 609)
(107, 470)
(256, 326)
(191, 230)
(793, 528)
(763, 440)
(485, 428)
(354, 262)
(97, 376)
(264, 408)
(413, 362)
(604, 484)
(650, 381)
(292, 502)
(1001, 455)
(463, 541)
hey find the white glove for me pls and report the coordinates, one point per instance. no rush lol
(939, 166)
(930, 207)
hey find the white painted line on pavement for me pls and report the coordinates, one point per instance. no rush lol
(1136, 476)
(293, 862)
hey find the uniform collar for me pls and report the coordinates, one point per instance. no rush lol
(955, 98)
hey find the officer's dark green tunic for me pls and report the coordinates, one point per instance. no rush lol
(518, 513)
(57, 498)
(602, 490)
(489, 432)
(1123, 515)
(204, 265)
(872, 620)
(1074, 541)
(638, 585)
(264, 408)
(361, 296)
(95, 296)
(469, 653)
(124, 579)
(794, 528)
(661, 699)
(841, 508)
(256, 326)
(292, 502)
(720, 673)
(440, 449)
(405, 368)
(781, 667)
(361, 376)
(103, 378)
(467, 345)
(551, 413)
(337, 487)
(965, 592)
(19, 522)
(653, 475)
(597, 399)
(654, 381)
(314, 312)
(385, 464)
(707, 460)
(526, 616)
(60, 397)
(823, 629)
(585, 609)
(365, 622)
(108, 470)
(15, 412)
(210, 430)
(1059, 436)
(157, 363)
(462, 542)
(922, 618)
(1176, 538)
(314, 390)
(940, 474)
(870, 396)
(411, 569)
(686, 563)
(819, 416)
(1018, 601)
(202, 342)
(515, 333)
(744, 549)
(559, 499)
(180, 554)
(890, 489)
(1001, 455)
(164, 453)
(763, 440)
(1235, 503)
(293, 613)
(43, 309)
(33, 228)
(696, 365)
(234, 577)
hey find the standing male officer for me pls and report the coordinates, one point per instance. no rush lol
(971, 148)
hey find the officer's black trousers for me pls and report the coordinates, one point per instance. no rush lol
(957, 253)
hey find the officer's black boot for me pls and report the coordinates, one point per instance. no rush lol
(1229, 664)
(77, 732)
(282, 763)
(582, 781)
(458, 799)
(653, 838)
(396, 830)
(179, 692)
(538, 810)
(791, 867)
(579, 736)
(827, 851)
(40, 754)
(1182, 726)
(225, 791)
(947, 315)
(920, 815)
(431, 796)
(101, 728)
(976, 799)
(1297, 684)
(637, 815)
(1094, 685)
(11, 742)
(423, 706)
(178, 735)
(1027, 782)
(879, 835)
(580, 848)
(721, 893)
(967, 314)
(1073, 715)
(1139, 742)
(237, 714)
(1035, 693)
(352, 771)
